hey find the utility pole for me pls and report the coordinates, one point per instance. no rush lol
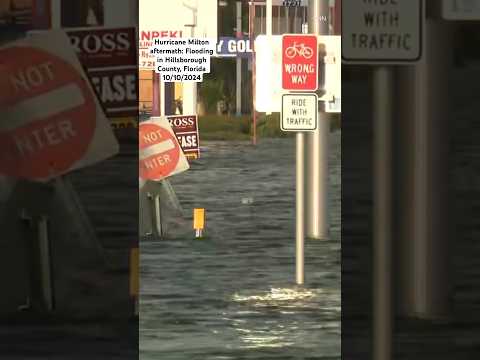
(317, 144)
(239, 62)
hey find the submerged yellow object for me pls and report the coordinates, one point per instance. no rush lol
(198, 221)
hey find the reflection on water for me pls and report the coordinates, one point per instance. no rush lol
(232, 294)
(276, 297)
(275, 333)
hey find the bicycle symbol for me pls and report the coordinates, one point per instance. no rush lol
(300, 49)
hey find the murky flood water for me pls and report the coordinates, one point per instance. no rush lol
(232, 295)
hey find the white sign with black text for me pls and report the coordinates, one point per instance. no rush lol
(299, 112)
(382, 31)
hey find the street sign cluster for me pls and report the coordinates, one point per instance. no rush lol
(299, 72)
(305, 62)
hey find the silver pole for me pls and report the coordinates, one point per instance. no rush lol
(45, 262)
(269, 5)
(423, 248)
(239, 63)
(382, 214)
(299, 208)
(157, 205)
(316, 145)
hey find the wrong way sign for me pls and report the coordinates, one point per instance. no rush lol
(52, 122)
(299, 62)
(160, 153)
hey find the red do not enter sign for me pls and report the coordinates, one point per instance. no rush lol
(49, 113)
(160, 153)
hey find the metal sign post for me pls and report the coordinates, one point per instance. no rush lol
(251, 32)
(316, 146)
(382, 34)
(238, 92)
(424, 287)
(45, 262)
(299, 209)
(299, 114)
(292, 106)
(382, 213)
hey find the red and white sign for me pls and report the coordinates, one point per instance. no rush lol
(299, 62)
(110, 57)
(160, 153)
(185, 128)
(52, 122)
(104, 47)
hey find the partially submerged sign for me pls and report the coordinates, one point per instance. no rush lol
(52, 122)
(382, 31)
(299, 112)
(185, 128)
(160, 153)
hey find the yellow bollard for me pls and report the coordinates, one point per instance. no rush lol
(198, 221)
(134, 276)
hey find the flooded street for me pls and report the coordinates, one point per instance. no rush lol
(232, 294)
